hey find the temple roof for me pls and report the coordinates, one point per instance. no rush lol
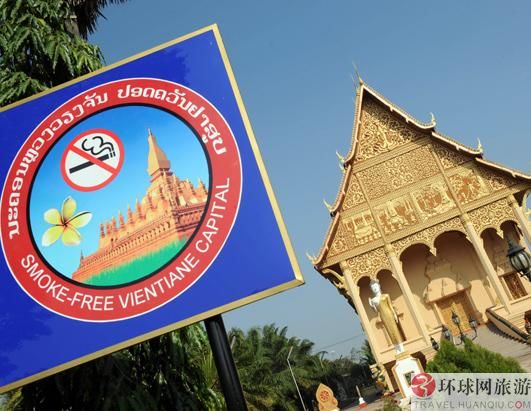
(364, 93)
(157, 160)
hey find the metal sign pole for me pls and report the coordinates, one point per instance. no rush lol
(228, 376)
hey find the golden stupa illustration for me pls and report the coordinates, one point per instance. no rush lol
(168, 213)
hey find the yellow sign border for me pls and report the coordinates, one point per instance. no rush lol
(299, 280)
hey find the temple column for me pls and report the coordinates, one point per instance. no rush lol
(486, 264)
(396, 267)
(523, 222)
(353, 291)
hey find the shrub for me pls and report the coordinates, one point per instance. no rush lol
(472, 359)
(390, 404)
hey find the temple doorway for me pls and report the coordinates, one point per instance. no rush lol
(460, 304)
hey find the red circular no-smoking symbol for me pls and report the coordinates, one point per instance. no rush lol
(92, 160)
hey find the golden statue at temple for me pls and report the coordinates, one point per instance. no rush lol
(383, 304)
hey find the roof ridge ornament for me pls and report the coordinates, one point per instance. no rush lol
(360, 80)
(480, 146)
(310, 257)
(340, 157)
(327, 205)
(433, 121)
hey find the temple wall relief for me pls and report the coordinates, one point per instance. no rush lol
(381, 131)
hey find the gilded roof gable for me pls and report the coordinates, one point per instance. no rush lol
(381, 131)
(401, 174)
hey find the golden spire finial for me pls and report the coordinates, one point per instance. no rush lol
(157, 159)
(480, 146)
(360, 80)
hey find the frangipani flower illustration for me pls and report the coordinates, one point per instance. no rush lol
(65, 224)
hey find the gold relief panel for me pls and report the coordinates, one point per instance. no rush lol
(396, 214)
(449, 158)
(428, 235)
(354, 231)
(399, 172)
(491, 215)
(411, 167)
(376, 181)
(368, 263)
(381, 131)
(468, 186)
(497, 181)
(362, 227)
(433, 199)
(354, 195)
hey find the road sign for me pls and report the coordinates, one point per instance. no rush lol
(92, 160)
(135, 202)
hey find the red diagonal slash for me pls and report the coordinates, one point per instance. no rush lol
(93, 160)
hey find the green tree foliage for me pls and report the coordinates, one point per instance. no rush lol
(390, 404)
(472, 359)
(260, 356)
(363, 355)
(165, 373)
(87, 13)
(343, 375)
(38, 49)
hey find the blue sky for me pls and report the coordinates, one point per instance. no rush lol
(467, 62)
(130, 124)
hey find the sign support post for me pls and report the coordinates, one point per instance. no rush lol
(228, 376)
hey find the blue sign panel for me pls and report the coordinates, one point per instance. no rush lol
(134, 202)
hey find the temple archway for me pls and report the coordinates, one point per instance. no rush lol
(415, 260)
(466, 289)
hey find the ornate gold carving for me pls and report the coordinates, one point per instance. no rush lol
(428, 235)
(497, 181)
(468, 186)
(398, 172)
(354, 231)
(433, 199)
(369, 263)
(381, 131)
(354, 195)
(376, 180)
(396, 214)
(491, 215)
(449, 158)
(335, 278)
